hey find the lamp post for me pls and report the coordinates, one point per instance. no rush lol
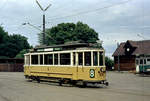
(43, 19)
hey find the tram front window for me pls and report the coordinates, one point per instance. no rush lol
(101, 59)
(95, 58)
(87, 58)
(34, 59)
(27, 60)
(80, 58)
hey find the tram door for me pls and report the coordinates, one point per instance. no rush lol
(80, 65)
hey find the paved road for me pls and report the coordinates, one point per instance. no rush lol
(123, 87)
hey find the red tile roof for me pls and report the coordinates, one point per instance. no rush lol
(142, 47)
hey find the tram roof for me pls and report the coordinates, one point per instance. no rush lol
(68, 46)
(63, 45)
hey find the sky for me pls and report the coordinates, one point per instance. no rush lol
(115, 21)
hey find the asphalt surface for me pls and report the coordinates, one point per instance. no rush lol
(123, 87)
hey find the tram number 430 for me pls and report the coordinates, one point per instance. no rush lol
(92, 73)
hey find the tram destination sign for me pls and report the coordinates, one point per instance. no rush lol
(49, 49)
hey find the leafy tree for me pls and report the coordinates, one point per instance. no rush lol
(109, 63)
(21, 53)
(3, 35)
(65, 32)
(11, 45)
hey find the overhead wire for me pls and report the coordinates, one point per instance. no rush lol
(94, 10)
(64, 6)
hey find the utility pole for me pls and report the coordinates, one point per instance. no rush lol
(43, 19)
(118, 57)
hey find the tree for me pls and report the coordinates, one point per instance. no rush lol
(65, 32)
(3, 35)
(11, 45)
(109, 63)
(21, 53)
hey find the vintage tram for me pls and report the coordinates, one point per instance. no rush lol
(68, 63)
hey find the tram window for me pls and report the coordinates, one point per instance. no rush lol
(41, 59)
(65, 59)
(56, 59)
(34, 59)
(48, 59)
(101, 59)
(95, 59)
(80, 58)
(148, 60)
(74, 58)
(87, 58)
(137, 62)
(27, 61)
(141, 61)
(144, 61)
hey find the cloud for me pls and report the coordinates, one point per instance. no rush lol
(120, 22)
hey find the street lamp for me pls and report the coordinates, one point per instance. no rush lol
(43, 18)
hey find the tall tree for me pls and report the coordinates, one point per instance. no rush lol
(109, 63)
(11, 45)
(65, 32)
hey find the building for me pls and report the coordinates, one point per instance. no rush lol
(131, 54)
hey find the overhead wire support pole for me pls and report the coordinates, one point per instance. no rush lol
(43, 19)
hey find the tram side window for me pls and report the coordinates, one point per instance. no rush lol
(74, 58)
(27, 61)
(87, 58)
(141, 61)
(95, 58)
(65, 59)
(101, 59)
(144, 61)
(48, 59)
(80, 58)
(41, 59)
(34, 59)
(56, 59)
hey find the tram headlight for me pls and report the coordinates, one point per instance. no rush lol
(102, 69)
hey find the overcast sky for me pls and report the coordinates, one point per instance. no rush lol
(114, 20)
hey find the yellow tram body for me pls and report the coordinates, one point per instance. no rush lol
(80, 64)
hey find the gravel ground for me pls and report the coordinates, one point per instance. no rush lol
(123, 87)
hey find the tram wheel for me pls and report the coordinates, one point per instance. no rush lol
(38, 79)
(60, 82)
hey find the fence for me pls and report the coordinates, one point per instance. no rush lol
(11, 65)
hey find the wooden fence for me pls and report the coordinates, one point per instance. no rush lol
(11, 67)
